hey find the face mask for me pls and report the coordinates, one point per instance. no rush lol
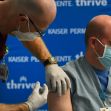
(25, 36)
(105, 60)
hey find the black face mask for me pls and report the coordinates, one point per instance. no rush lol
(3, 66)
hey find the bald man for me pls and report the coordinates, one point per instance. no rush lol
(90, 75)
(27, 20)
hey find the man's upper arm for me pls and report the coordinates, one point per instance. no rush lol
(59, 103)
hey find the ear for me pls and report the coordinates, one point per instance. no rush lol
(92, 41)
(22, 18)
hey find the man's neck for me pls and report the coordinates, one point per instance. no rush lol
(93, 61)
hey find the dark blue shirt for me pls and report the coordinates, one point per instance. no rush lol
(103, 78)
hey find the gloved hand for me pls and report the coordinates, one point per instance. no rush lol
(57, 80)
(38, 97)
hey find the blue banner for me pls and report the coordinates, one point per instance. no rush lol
(64, 39)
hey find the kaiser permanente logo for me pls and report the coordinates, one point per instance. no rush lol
(92, 3)
(22, 84)
(26, 59)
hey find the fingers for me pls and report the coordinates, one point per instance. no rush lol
(37, 87)
(59, 88)
(53, 84)
(64, 86)
(45, 89)
(68, 82)
(45, 93)
(49, 84)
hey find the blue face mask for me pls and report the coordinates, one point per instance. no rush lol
(105, 60)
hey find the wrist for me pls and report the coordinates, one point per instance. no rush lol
(50, 61)
(23, 107)
(29, 106)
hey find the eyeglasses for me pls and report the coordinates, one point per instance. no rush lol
(36, 28)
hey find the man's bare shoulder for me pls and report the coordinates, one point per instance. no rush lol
(59, 103)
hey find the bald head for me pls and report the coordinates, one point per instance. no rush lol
(42, 12)
(98, 27)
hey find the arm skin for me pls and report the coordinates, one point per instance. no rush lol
(14, 107)
(38, 48)
(59, 103)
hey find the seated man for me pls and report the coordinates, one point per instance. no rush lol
(90, 75)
